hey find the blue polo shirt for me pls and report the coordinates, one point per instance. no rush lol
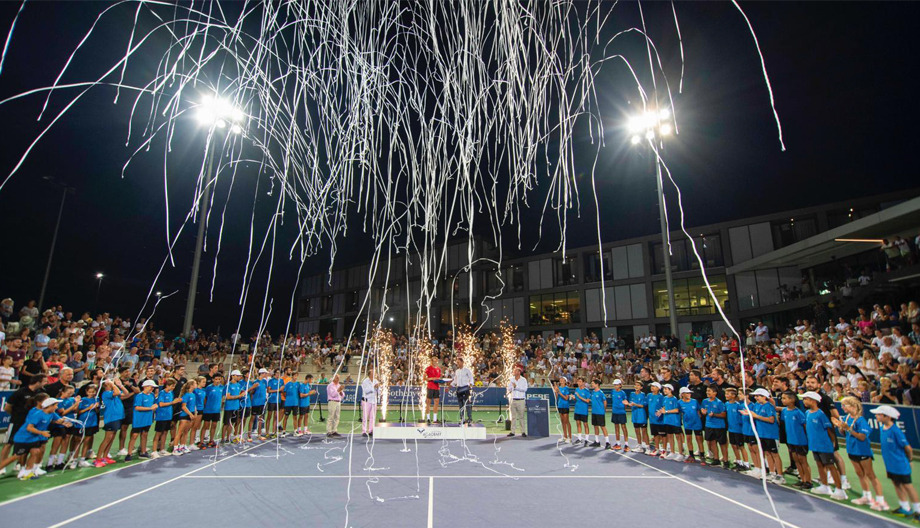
(259, 394)
(292, 394)
(562, 401)
(714, 406)
(188, 399)
(794, 421)
(38, 419)
(305, 389)
(690, 410)
(855, 446)
(246, 402)
(581, 407)
(201, 396)
(89, 418)
(669, 403)
(598, 398)
(816, 426)
(143, 418)
(112, 408)
(233, 389)
(274, 384)
(214, 400)
(654, 403)
(639, 414)
(734, 418)
(766, 430)
(66, 404)
(616, 402)
(893, 443)
(164, 414)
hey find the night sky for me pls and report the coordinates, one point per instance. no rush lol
(840, 74)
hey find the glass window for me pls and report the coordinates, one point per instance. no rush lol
(564, 271)
(842, 216)
(793, 230)
(326, 306)
(593, 267)
(682, 257)
(516, 276)
(555, 308)
(691, 296)
(512, 276)
(461, 315)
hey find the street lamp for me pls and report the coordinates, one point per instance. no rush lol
(99, 276)
(655, 125)
(214, 113)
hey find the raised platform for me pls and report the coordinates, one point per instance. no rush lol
(421, 431)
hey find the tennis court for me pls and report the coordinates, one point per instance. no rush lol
(515, 482)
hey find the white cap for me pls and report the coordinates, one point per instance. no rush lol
(236, 373)
(617, 382)
(656, 384)
(668, 386)
(149, 383)
(813, 395)
(51, 401)
(685, 390)
(263, 371)
(761, 392)
(887, 410)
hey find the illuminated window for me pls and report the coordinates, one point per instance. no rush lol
(691, 296)
(555, 309)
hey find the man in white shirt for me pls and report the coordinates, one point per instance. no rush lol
(517, 396)
(761, 333)
(368, 403)
(463, 381)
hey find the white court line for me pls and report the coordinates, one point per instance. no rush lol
(307, 477)
(430, 502)
(729, 499)
(151, 488)
(64, 485)
(801, 492)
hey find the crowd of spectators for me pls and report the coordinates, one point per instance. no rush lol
(872, 354)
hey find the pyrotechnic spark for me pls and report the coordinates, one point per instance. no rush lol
(382, 358)
(468, 348)
(420, 354)
(508, 351)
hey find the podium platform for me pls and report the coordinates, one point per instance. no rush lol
(421, 431)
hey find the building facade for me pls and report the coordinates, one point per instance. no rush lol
(619, 291)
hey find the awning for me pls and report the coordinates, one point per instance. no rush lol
(901, 219)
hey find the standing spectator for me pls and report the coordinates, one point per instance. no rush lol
(78, 367)
(334, 393)
(29, 311)
(761, 333)
(32, 367)
(7, 374)
(17, 406)
(517, 392)
(16, 351)
(6, 310)
(66, 380)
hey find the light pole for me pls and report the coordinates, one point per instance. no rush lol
(57, 226)
(653, 126)
(213, 113)
(99, 277)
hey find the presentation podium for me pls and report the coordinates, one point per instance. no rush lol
(420, 431)
(538, 418)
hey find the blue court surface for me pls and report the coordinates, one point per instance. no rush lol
(501, 481)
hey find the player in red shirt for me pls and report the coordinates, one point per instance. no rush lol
(433, 392)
